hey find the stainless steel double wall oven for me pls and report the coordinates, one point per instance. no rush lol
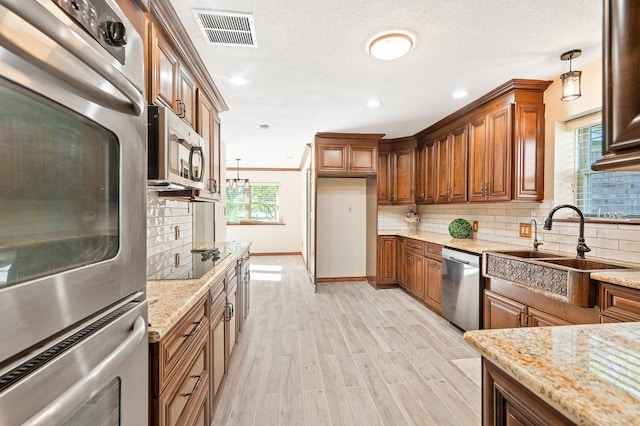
(73, 346)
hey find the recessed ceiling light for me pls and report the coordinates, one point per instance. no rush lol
(264, 127)
(391, 45)
(460, 93)
(373, 103)
(238, 81)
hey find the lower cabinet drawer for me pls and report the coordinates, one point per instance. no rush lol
(179, 403)
(619, 303)
(415, 245)
(434, 251)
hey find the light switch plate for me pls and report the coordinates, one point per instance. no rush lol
(525, 230)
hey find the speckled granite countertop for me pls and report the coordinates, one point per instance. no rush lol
(169, 300)
(589, 373)
(629, 279)
(468, 244)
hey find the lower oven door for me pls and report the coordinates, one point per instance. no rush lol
(96, 375)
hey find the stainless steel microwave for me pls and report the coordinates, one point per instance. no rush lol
(175, 152)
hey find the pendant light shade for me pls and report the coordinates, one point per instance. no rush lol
(236, 182)
(571, 80)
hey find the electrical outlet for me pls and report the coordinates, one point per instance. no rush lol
(474, 226)
(525, 230)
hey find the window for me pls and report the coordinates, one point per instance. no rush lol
(609, 195)
(257, 203)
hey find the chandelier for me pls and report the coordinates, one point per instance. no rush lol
(236, 182)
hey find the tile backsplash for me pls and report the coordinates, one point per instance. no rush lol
(163, 215)
(500, 222)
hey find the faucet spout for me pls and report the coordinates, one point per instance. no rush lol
(536, 243)
(582, 247)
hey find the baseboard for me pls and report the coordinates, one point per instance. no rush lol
(340, 279)
(284, 253)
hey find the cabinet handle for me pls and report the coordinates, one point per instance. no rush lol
(195, 387)
(486, 189)
(182, 113)
(519, 319)
(391, 197)
(228, 312)
(197, 324)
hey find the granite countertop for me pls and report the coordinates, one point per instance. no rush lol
(629, 279)
(169, 300)
(589, 373)
(468, 244)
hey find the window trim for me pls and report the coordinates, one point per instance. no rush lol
(278, 220)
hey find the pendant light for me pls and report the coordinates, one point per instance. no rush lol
(236, 182)
(570, 80)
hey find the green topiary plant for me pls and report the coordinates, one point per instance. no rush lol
(460, 228)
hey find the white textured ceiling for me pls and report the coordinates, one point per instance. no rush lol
(311, 71)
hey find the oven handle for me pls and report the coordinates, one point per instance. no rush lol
(59, 409)
(46, 23)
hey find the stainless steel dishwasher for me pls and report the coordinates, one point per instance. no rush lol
(462, 286)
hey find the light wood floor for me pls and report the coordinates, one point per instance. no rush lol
(347, 355)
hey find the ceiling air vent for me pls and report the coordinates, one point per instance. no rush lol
(227, 28)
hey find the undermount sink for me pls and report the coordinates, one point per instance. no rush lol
(583, 264)
(530, 254)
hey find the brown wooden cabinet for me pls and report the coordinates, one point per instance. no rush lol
(384, 180)
(208, 126)
(490, 155)
(490, 150)
(502, 312)
(396, 171)
(179, 370)
(426, 174)
(218, 338)
(172, 84)
(387, 263)
(621, 109)
(346, 154)
(619, 304)
(451, 166)
(433, 277)
(505, 402)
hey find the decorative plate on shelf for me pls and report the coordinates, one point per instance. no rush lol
(460, 228)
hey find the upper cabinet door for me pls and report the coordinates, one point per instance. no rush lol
(208, 128)
(165, 70)
(529, 152)
(426, 174)
(621, 109)
(186, 97)
(498, 154)
(404, 173)
(458, 165)
(384, 181)
(477, 158)
(332, 158)
(363, 159)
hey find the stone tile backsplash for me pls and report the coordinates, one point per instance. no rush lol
(163, 215)
(500, 222)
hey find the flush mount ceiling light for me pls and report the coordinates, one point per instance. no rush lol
(391, 45)
(570, 80)
(236, 182)
(373, 103)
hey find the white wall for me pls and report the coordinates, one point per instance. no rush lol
(285, 238)
(341, 226)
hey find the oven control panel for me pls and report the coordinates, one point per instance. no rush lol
(100, 21)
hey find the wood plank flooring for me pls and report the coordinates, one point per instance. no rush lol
(347, 355)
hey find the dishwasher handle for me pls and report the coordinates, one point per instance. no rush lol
(466, 262)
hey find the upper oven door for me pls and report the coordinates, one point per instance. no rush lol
(72, 169)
